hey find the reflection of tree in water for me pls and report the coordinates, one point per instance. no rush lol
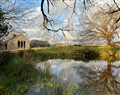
(101, 82)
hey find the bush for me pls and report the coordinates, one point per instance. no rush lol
(18, 74)
(5, 58)
(86, 53)
(17, 71)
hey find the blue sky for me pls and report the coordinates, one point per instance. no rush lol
(59, 13)
(34, 27)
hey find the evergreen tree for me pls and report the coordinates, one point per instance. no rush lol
(4, 25)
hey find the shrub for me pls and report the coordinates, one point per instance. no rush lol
(86, 53)
(17, 71)
(5, 58)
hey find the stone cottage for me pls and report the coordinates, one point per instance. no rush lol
(16, 41)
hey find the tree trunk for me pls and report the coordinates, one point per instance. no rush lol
(109, 41)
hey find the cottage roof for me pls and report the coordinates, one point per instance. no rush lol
(11, 35)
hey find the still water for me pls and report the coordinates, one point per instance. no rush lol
(93, 77)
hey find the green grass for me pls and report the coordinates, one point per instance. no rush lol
(77, 51)
(17, 71)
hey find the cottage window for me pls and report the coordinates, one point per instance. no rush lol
(19, 44)
(24, 44)
(5, 45)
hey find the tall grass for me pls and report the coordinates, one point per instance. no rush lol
(17, 73)
(5, 58)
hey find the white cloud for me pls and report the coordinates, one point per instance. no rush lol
(68, 36)
(34, 27)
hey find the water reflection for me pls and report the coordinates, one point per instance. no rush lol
(104, 81)
(101, 77)
(63, 69)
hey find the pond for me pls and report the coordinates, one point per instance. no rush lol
(92, 77)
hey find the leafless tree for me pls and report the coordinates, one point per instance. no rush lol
(50, 22)
(13, 14)
(116, 10)
(85, 3)
(16, 12)
(101, 26)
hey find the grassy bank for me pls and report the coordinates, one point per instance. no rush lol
(78, 52)
(18, 72)
(73, 52)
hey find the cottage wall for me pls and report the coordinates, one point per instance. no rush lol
(13, 43)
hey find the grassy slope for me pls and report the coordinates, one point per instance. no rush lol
(67, 52)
